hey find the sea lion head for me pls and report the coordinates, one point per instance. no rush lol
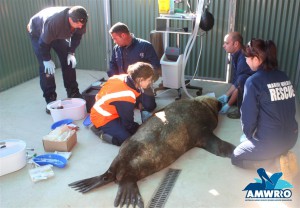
(211, 102)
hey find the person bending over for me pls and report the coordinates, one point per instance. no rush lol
(60, 28)
(113, 112)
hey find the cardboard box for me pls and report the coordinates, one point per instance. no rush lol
(62, 146)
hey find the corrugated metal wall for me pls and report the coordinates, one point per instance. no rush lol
(268, 19)
(276, 20)
(17, 60)
(141, 20)
(91, 53)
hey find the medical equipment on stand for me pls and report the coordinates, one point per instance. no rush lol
(173, 71)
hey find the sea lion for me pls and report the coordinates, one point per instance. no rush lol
(161, 140)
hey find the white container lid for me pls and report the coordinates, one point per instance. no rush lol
(12, 155)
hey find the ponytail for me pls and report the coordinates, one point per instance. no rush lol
(270, 62)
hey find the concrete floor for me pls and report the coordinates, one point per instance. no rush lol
(205, 180)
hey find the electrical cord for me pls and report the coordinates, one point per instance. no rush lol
(190, 44)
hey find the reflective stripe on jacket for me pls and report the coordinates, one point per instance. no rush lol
(115, 89)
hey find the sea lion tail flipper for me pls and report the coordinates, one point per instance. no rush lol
(128, 193)
(218, 147)
(88, 184)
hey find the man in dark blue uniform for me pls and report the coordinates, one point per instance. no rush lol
(129, 50)
(60, 28)
(233, 44)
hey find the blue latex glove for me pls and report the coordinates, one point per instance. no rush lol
(145, 115)
(71, 60)
(49, 67)
(224, 109)
(243, 138)
(223, 99)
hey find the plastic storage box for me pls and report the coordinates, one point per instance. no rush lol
(89, 95)
(71, 108)
(171, 72)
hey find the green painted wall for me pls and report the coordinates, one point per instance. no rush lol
(268, 19)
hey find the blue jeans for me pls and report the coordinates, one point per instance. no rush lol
(47, 82)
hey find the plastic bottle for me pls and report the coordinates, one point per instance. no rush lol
(171, 6)
(163, 6)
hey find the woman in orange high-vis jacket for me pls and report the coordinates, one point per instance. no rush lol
(113, 111)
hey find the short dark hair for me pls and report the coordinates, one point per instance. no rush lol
(266, 51)
(236, 36)
(119, 28)
(78, 14)
(140, 70)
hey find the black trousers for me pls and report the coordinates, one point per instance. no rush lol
(47, 82)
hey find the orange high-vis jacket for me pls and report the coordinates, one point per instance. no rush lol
(115, 89)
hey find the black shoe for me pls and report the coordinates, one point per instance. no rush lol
(234, 114)
(75, 94)
(50, 99)
(48, 111)
(105, 137)
(96, 131)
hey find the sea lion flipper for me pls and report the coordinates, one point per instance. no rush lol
(128, 193)
(217, 146)
(88, 184)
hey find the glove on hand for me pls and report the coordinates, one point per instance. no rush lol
(224, 109)
(49, 67)
(71, 59)
(223, 99)
(243, 138)
(145, 115)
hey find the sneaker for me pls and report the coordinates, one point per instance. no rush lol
(234, 114)
(289, 166)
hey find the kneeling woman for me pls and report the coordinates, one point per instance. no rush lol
(267, 113)
(113, 111)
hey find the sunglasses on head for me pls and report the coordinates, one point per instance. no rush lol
(83, 21)
(250, 44)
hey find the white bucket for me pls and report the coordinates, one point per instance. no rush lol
(12, 155)
(73, 108)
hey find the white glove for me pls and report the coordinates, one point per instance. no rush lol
(223, 99)
(224, 109)
(49, 67)
(71, 59)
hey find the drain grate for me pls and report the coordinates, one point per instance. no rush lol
(163, 191)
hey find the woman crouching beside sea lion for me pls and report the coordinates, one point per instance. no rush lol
(161, 140)
(113, 112)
